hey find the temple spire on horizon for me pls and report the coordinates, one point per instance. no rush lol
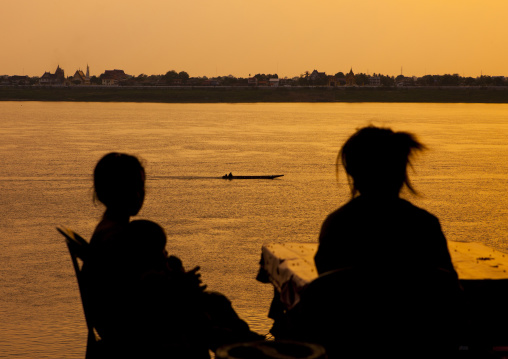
(87, 77)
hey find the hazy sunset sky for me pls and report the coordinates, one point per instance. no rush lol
(242, 37)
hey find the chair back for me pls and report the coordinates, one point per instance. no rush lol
(78, 250)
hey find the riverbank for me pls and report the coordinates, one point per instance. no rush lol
(256, 94)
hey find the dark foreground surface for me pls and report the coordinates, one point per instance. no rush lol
(256, 94)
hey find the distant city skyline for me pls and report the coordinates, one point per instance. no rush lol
(240, 37)
(69, 72)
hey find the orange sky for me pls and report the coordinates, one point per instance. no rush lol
(242, 37)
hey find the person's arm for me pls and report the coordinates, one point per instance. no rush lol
(189, 280)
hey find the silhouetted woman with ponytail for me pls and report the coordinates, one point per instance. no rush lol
(377, 227)
(387, 284)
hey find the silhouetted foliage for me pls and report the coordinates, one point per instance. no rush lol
(485, 81)
(468, 81)
(266, 77)
(171, 75)
(449, 80)
(427, 80)
(498, 81)
(94, 80)
(362, 79)
(183, 75)
(387, 81)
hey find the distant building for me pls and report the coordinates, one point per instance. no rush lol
(18, 80)
(317, 76)
(210, 82)
(58, 78)
(333, 81)
(375, 81)
(274, 82)
(113, 77)
(350, 78)
(252, 81)
(194, 81)
(285, 82)
(80, 78)
(404, 81)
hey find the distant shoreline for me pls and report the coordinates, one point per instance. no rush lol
(224, 94)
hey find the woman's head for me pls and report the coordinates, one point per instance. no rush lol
(119, 182)
(376, 160)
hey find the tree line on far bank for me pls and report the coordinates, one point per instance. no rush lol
(360, 79)
(182, 78)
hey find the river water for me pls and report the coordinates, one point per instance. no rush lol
(48, 152)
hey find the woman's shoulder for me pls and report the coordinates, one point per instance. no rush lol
(360, 208)
(344, 214)
(411, 209)
(355, 206)
(341, 211)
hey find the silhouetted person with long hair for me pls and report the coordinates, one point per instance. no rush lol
(387, 283)
(122, 253)
(377, 227)
(119, 184)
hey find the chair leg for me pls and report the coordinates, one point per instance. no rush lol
(93, 347)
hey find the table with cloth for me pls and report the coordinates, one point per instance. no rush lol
(482, 271)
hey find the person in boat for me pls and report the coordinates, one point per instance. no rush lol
(119, 183)
(386, 279)
(230, 175)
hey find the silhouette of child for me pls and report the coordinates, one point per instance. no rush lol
(145, 252)
(134, 284)
(163, 299)
(208, 316)
(119, 184)
(145, 244)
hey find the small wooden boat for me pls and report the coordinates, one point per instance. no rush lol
(250, 177)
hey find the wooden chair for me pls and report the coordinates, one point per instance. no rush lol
(78, 249)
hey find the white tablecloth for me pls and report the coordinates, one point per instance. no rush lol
(290, 266)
